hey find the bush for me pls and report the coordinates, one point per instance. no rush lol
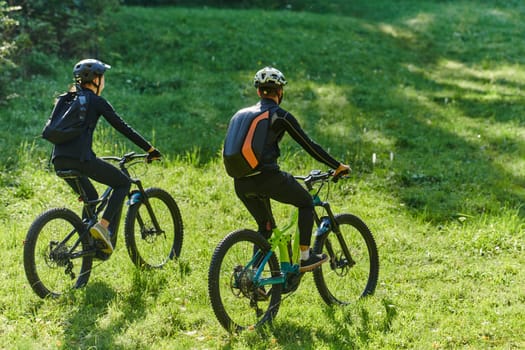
(268, 4)
(35, 32)
(7, 44)
(61, 27)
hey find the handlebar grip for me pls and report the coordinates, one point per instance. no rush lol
(340, 175)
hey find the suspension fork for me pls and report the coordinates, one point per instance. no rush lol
(334, 227)
(145, 201)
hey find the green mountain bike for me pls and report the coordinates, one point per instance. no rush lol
(59, 250)
(248, 274)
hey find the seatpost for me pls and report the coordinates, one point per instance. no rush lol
(87, 210)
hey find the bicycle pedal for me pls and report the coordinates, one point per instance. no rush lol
(99, 244)
(100, 255)
(101, 247)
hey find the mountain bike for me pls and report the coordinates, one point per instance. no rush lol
(59, 250)
(248, 274)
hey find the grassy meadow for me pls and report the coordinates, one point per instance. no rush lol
(424, 99)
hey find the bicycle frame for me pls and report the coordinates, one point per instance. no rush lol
(286, 244)
(280, 242)
(92, 208)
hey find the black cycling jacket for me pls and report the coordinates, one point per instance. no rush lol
(81, 147)
(281, 122)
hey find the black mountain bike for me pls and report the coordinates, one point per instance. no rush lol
(59, 250)
(248, 274)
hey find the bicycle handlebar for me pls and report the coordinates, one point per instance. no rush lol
(319, 176)
(126, 158)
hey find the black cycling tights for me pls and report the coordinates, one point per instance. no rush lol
(282, 187)
(103, 172)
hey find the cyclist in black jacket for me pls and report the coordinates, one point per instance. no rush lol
(78, 153)
(278, 185)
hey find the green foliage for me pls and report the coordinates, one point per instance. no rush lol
(433, 88)
(64, 28)
(7, 43)
(268, 4)
(7, 27)
(34, 33)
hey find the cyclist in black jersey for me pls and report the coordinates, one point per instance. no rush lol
(273, 183)
(78, 153)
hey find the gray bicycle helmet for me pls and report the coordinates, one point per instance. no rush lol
(86, 70)
(269, 76)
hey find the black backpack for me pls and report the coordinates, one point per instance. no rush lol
(245, 141)
(68, 118)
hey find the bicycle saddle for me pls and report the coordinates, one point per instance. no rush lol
(68, 174)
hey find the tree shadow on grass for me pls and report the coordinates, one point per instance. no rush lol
(434, 113)
(348, 327)
(84, 328)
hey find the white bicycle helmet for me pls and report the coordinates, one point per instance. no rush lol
(86, 70)
(269, 76)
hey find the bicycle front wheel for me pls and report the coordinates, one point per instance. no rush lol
(238, 303)
(53, 259)
(149, 246)
(353, 269)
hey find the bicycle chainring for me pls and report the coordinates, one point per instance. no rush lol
(292, 282)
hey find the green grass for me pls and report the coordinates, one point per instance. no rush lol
(438, 84)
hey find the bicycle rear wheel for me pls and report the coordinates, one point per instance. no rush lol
(147, 246)
(237, 302)
(344, 279)
(49, 262)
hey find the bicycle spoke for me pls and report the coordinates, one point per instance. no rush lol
(347, 277)
(240, 296)
(48, 257)
(148, 246)
(238, 301)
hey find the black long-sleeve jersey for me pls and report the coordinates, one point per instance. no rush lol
(281, 122)
(81, 148)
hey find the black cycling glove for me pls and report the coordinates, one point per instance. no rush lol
(153, 155)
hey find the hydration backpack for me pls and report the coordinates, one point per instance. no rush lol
(68, 118)
(245, 141)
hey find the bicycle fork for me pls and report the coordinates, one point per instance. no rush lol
(325, 225)
(140, 196)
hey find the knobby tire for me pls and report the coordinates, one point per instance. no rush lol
(234, 303)
(146, 247)
(48, 267)
(338, 282)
